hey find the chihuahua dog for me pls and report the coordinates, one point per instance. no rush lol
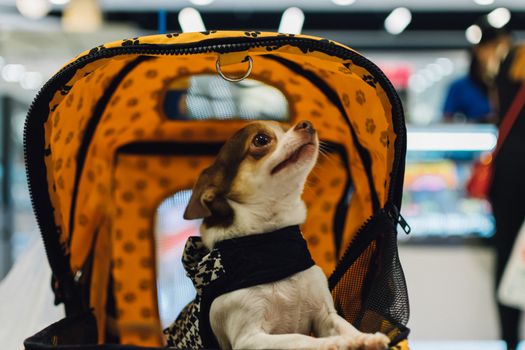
(254, 188)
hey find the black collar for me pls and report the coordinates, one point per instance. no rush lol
(263, 258)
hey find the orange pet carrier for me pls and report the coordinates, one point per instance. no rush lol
(128, 125)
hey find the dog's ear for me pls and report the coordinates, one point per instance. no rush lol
(198, 207)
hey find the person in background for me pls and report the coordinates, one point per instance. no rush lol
(507, 193)
(469, 98)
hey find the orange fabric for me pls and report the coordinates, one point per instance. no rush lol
(322, 194)
(100, 278)
(145, 122)
(70, 110)
(140, 185)
(134, 113)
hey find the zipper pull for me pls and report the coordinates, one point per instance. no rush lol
(397, 218)
(404, 224)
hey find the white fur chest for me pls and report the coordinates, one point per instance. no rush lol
(286, 306)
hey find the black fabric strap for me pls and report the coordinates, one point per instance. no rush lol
(253, 260)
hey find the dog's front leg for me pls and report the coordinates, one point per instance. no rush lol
(238, 321)
(331, 324)
(293, 341)
(328, 323)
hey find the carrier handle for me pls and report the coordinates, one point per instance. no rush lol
(235, 79)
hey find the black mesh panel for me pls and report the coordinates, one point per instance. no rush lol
(368, 284)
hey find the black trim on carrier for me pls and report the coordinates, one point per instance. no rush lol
(334, 99)
(35, 148)
(91, 127)
(171, 148)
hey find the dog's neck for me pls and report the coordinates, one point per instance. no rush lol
(257, 217)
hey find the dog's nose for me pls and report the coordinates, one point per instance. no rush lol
(305, 125)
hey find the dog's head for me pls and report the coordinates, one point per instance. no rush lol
(261, 166)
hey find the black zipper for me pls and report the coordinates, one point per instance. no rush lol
(91, 127)
(34, 139)
(397, 218)
(381, 221)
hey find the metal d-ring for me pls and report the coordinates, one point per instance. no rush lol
(235, 79)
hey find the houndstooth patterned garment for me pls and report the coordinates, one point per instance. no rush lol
(233, 264)
(202, 267)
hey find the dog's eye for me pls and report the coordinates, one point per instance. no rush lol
(261, 140)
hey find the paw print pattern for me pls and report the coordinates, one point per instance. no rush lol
(295, 98)
(385, 141)
(326, 41)
(172, 35)
(64, 90)
(129, 42)
(370, 80)
(360, 97)
(97, 49)
(252, 34)
(346, 100)
(370, 126)
(345, 70)
(265, 74)
(305, 50)
(272, 48)
(315, 113)
(208, 32)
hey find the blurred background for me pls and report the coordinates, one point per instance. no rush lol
(422, 46)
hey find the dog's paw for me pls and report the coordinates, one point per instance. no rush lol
(364, 341)
(343, 342)
(339, 343)
(376, 341)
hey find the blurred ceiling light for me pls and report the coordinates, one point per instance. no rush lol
(34, 9)
(446, 65)
(430, 75)
(201, 2)
(343, 2)
(398, 20)
(498, 17)
(82, 16)
(418, 83)
(31, 80)
(13, 72)
(436, 69)
(292, 21)
(473, 34)
(484, 2)
(450, 141)
(190, 20)
(59, 2)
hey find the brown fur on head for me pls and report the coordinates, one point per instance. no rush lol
(214, 183)
(261, 164)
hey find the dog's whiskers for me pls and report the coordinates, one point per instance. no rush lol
(328, 157)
